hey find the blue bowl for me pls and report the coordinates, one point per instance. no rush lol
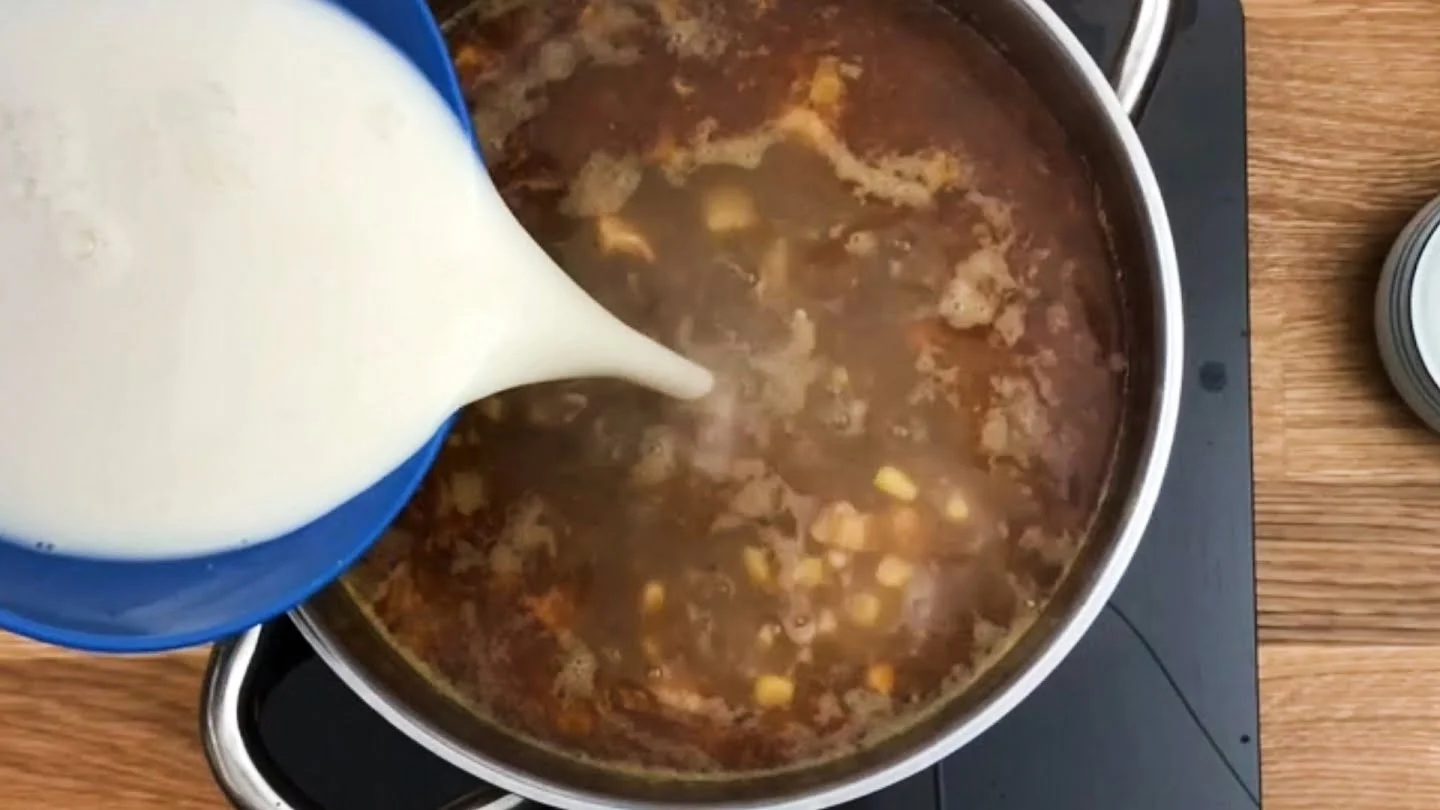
(138, 607)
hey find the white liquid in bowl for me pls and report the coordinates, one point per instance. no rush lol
(247, 265)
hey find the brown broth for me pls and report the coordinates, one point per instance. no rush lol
(866, 222)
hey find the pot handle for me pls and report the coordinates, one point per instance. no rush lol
(1139, 59)
(241, 671)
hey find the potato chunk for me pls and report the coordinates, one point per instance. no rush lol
(617, 235)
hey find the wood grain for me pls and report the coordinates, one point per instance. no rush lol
(80, 733)
(1345, 145)
(1343, 150)
(1343, 99)
(1350, 727)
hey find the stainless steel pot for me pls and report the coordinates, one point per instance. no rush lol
(1097, 116)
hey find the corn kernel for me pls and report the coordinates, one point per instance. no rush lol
(826, 86)
(774, 691)
(728, 210)
(893, 572)
(881, 678)
(757, 564)
(809, 572)
(957, 509)
(652, 598)
(618, 236)
(837, 559)
(896, 484)
(864, 609)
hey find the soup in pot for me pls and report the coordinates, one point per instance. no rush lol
(867, 224)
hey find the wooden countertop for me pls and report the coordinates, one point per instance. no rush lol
(1345, 146)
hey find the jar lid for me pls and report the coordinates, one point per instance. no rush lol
(1407, 314)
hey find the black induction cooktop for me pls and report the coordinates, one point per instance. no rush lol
(1157, 707)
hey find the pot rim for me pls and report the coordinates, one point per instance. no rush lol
(1134, 74)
